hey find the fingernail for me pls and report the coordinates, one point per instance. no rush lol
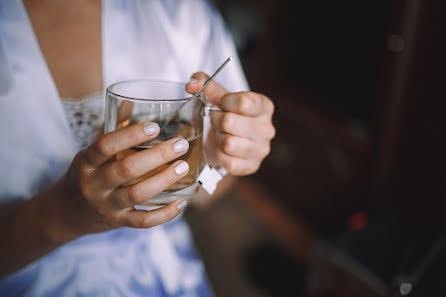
(181, 146)
(182, 168)
(182, 205)
(151, 128)
(192, 81)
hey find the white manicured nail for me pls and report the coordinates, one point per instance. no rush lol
(182, 168)
(182, 205)
(181, 145)
(192, 81)
(151, 128)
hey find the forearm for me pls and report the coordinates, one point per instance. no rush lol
(27, 232)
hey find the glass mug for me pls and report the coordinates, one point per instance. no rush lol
(176, 112)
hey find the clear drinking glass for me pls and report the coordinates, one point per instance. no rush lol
(177, 113)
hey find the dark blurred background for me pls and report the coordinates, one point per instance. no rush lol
(350, 201)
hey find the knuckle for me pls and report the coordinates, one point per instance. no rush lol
(78, 159)
(270, 132)
(265, 150)
(246, 102)
(229, 145)
(165, 152)
(84, 188)
(227, 122)
(146, 221)
(134, 195)
(101, 147)
(133, 135)
(127, 169)
(79, 163)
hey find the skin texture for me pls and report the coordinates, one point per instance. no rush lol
(240, 136)
(69, 36)
(93, 196)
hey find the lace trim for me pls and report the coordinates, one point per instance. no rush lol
(85, 117)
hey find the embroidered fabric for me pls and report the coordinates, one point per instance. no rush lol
(85, 117)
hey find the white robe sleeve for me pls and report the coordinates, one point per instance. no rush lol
(219, 47)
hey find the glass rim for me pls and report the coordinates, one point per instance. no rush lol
(109, 91)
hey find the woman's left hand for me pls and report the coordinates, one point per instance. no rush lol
(240, 135)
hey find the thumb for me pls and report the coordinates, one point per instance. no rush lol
(213, 92)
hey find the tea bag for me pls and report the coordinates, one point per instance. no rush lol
(209, 178)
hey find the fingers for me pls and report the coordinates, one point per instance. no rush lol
(241, 147)
(141, 192)
(213, 91)
(243, 130)
(235, 124)
(243, 126)
(146, 219)
(135, 165)
(107, 146)
(248, 104)
(237, 166)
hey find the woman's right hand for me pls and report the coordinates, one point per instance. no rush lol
(93, 196)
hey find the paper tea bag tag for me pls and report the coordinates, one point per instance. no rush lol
(209, 178)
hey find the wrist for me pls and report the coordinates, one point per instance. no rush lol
(29, 230)
(55, 228)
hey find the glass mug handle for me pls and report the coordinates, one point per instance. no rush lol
(210, 176)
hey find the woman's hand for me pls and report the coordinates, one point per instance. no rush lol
(240, 136)
(94, 195)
